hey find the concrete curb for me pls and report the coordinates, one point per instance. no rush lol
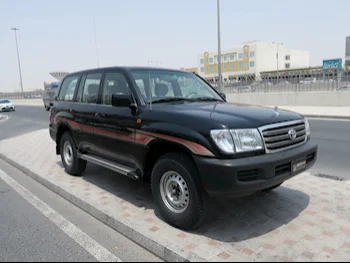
(172, 254)
(326, 117)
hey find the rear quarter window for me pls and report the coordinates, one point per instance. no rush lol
(68, 88)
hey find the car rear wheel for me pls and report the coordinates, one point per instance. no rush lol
(69, 156)
(178, 191)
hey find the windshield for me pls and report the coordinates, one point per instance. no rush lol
(4, 101)
(167, 85)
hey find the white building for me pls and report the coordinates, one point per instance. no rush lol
(251, 58)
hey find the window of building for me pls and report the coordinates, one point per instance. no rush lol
(225, 66)
(225, 57)
(202, 69)
(246, 65)
(246, 55)
(287, 65)
(287, 57)
(232, 56)
(68, 88)
(252, 54)
(206, 69)
(240, 65)
(252, 64)
(114, 83)
(206, 61)
(240, 56)
(202, 61)
(211, 68)
(232, 66)
(91, 88)
(211, 60)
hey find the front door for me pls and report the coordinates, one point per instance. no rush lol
(115, 126)
(83, 111)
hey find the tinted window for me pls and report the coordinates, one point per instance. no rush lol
(115, 83)
(68, 88)
(91, 88)
(4, 101)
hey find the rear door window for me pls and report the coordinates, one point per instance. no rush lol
(91, 88)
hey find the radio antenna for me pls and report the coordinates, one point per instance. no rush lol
(150, 87)
(96, 48)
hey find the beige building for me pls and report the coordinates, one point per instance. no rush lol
(250, 59)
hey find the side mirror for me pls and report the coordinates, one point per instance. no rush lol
(223, 95)
(121, 100)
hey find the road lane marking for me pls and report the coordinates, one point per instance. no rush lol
(86, 242)
(3, 118)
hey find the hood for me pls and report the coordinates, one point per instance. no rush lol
(5, 104)
(226, 115)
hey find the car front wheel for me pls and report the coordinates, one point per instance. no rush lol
(178, 191)
(69, 156)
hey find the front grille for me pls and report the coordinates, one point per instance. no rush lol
(276, 136)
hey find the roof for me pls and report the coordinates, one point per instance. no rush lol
(125, 68)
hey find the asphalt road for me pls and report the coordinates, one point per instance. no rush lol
(331, 135)
(28, 234)
(37, 225)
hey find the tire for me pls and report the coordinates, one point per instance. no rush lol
(69, 156)
(178, 169)
(267, 190)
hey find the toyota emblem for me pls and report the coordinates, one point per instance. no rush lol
(292, 134)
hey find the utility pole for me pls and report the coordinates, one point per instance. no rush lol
(219, 48)
(19, 62)
(96, 48)
(277, 57)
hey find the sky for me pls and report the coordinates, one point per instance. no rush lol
(59, 35)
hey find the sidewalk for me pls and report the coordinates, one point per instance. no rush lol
(321, 112)
(28, 102)
(307, 219)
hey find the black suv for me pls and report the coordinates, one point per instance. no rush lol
(172, 127)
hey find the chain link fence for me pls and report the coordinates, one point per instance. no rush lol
(312, 84)
(24, 95)
(326, 83)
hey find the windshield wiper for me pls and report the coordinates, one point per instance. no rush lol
(171, 99)
(206, 99)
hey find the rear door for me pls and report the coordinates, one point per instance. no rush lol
(83, 110)
(115, 126)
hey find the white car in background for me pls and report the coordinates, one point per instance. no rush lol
(308, 81)
(6, 105)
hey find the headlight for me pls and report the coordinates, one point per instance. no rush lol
(307, 128)
(236, 141)
(223, 140)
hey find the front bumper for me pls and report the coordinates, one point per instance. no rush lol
(240, 177)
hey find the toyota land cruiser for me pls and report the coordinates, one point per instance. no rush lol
(173, 128)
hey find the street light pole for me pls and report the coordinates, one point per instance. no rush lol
(19, 62)
(277, 60)
(219, 48)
